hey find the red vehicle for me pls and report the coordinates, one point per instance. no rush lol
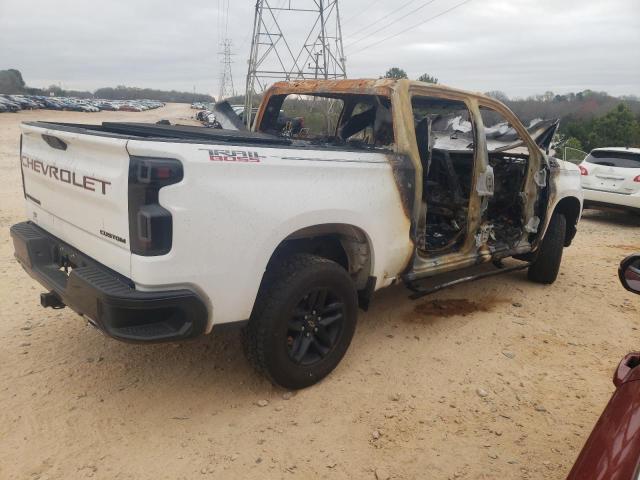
(612, 451)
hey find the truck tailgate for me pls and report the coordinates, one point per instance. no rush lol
(76, 186)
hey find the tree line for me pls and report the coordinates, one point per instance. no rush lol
(588, 119)
(11, 82)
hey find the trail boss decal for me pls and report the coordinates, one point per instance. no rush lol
(233, 156)
(92, 184)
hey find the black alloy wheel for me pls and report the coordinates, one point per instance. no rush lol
(315, 326)
(303, 320)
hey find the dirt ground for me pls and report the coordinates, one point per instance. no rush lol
(500, 378)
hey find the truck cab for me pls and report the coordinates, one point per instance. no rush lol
(475, 184)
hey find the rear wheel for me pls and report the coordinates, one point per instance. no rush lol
(546, 265)
(303, 320)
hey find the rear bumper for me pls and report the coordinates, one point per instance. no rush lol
(108, 299)
(597, 198)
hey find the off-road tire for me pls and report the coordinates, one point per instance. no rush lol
(546, 265)
(265, 337)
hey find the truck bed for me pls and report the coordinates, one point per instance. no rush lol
(133, 130)
(201, 135)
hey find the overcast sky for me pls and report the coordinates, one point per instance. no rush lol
(521, 47)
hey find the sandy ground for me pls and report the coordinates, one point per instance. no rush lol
(501, 378)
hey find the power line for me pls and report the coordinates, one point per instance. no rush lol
(412, 27)
(385, 17)
(351, 17)
(392, 23)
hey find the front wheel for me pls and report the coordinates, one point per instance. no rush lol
(303, 320)
(546, 265)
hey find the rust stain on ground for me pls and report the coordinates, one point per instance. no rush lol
(451, 307)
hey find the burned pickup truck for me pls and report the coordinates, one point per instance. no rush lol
(157, 232)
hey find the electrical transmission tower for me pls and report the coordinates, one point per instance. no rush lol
(226, 77)
(275, 54)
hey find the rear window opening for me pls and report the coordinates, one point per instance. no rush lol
(614, 159)
(343, 120)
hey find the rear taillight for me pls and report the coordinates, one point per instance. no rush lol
(637, 179)
(150, 225)
(583, 171)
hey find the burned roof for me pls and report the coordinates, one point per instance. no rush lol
(380, 86)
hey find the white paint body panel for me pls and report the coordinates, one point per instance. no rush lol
(70, 211)
(566, 184)
(613, 199)
(611, 185)
(228, 216)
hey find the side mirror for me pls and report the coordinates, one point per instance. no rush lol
(629, 273)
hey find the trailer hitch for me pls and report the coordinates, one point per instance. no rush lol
(51, 299)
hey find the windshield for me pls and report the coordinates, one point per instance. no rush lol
(614, 159)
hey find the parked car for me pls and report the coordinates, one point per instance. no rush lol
(612, 451)
(14, 103)
(611, 178)
(128, 107)
(51, 103)
(288, 234)
(208, 119)
(106, 106)
(10, 105)
(24, 102)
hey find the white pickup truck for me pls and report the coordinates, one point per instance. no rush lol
(159, 232)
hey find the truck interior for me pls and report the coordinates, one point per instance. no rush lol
(509, 157)
(445, 139)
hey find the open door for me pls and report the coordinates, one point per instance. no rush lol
(445, 139)
(482, 177)
(508, 217)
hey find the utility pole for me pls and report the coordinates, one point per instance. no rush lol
(275, 54)
(316, 66)
(226, 78)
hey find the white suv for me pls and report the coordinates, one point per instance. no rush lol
(611, 178)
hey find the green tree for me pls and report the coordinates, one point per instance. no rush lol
(618, 128)
(395, 72)
(573, 142)
(11, 81)
(498, 95)
(425, 77)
